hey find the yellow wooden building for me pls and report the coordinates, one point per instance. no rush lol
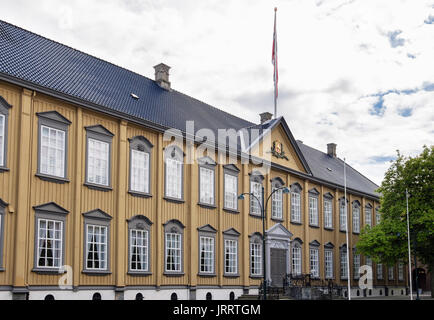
(97, 202)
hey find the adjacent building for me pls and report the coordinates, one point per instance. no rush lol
(95, 202)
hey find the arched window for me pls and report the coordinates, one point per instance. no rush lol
(173, 247)
(296, 256)
(139, 296)
(277, 199)
(313, 207)
(256, 255)
(314, 258)
(256, 179)
(328, 260)
(296, 203)
(96, 296)
(209, 296)
(356, 216)
(139, 236)
(174, 297)
(140, 165)
(207, 259)
(230, 183)
(356, 264)
(174, 173)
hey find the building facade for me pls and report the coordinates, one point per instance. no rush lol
(95, 202)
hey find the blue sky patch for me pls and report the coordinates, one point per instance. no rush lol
(429, 20)
(394, 40)
(382, 159)
(405, 112)
(378, 108)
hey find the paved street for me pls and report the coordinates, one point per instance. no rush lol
(425, 296)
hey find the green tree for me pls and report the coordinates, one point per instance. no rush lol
(387, 241)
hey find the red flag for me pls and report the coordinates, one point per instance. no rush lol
(274, 57)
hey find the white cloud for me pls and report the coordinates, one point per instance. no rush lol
(334, 56)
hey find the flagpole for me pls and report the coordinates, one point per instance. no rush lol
(274, 60)
(346, 235)
(409, 257)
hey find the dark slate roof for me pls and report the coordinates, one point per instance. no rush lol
(35, 61)
(38, 60)
(319, 162)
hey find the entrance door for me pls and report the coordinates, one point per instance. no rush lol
(277, 266)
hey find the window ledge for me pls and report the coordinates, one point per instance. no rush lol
(207, 206)
(207, 275)
(314, 226)
(52, 178)
(356, 233)
(328, 229)
(255, 216)
(139, 273)
(48, 271)
(277, 219)
(231, 210)
(139, 194)
(296, 223)
(256, 276)
(173, 274)
(2, 269)
(4, 169)
(344, 231)
(97, 187)
(236, 275)
(174, 200)
(96, 272)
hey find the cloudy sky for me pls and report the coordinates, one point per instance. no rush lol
(359, 73)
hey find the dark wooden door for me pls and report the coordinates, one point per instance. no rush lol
(277, 266)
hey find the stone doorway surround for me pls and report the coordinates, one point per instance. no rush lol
(277, 237)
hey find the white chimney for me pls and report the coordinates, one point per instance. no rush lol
(162, 75)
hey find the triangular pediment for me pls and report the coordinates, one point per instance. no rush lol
(231, 232)
(277, 145)
(278, 230)
(51, 207)
(55, 116)
(231, 167)
(97, 214)
(99, 129)
(207, 228)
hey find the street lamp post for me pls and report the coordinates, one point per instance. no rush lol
(263, 211)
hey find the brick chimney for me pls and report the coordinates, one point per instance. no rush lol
(331, 149)
(162, 75)
(265, 116)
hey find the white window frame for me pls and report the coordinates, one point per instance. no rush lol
(328, 263)
(2, 139)
(56, 238)
(391, 273)
(98, 174)
(400, 271)
(296, 206)
(343, 263)
(356, 265)
(101, 247)
(256, 189)
(173, 251)
(313, 211)
(356, 218)
(296, 259)
(277, 204)
(231, 256)
(255, 259)
(368, 216)
(206, 254)
(46, 149)
(377, 216)
(139, 172)
(206, 187)
(314, 262)
(328, 213)
(142, 249)
(231, 191)
(342, 215)
(380, 271)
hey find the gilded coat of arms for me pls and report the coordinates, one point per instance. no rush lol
(277, 150)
